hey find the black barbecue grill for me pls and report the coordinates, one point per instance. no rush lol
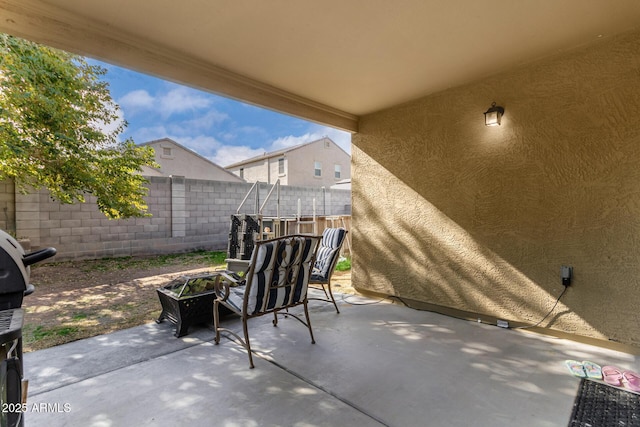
(15, 272)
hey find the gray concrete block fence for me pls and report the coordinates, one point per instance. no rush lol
(186, 215)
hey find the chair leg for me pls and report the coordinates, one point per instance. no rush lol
(306, 315)
(246, 341)
(324, 290)
(216, 321)
(331, 296)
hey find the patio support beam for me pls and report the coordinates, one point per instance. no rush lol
(53, 26)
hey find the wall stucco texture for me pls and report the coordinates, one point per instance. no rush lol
(480, 219)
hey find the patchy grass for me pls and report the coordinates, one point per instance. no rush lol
(344, 264)
(125, 263)
(41, 332)
(80, 299)
(79, 316)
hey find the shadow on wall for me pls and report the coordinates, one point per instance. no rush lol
(407, 247)
(431, 258)
(453, 213)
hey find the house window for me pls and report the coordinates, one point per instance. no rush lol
(327, 144)
(241, 172)
(337, 171)
(166, 151)
(317, 166)
(281, 166)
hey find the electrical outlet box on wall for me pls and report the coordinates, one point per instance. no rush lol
(566, 273)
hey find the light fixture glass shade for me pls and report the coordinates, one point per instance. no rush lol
(493, 115)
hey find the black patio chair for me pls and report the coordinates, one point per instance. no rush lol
(326, 260)
(278, 279)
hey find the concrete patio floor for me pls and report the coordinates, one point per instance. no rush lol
(372, 365)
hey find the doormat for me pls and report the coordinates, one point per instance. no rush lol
(599, 404)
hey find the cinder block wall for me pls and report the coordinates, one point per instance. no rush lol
(186, 214)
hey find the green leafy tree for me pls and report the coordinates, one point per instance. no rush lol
(54, 116)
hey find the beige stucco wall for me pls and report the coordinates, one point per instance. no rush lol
(300, 164)
(274, 170)
(453, 213)
(256, 171)
(183, 162)
(263, 170)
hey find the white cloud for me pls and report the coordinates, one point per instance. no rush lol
(147, 134)
(137, 100)
(206, 121)
(227, 136)
(252, 130)
(177, 100)
(290, 141)
(206, 146)
(229, 154)
(233, 133)
(109, 128)
(182, 99)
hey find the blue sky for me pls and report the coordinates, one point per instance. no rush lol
(223, 130)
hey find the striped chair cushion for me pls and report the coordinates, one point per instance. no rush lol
(236, 296)
(281, 271)
(263, 261)
(330, 245)
(304, 275)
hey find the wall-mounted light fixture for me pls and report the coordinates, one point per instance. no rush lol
(493, 115)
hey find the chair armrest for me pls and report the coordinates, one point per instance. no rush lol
(224, 281)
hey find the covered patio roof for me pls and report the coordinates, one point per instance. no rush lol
(330, 61)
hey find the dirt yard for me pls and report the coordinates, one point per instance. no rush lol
(80, 299)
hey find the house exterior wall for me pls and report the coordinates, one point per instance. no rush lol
(263, 170)
(299, 166)
(187, 214)
(274, 171)
(480, 219)
(256, 171)
(183, 162)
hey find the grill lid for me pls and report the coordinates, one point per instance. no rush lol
(14, 264)
(14, 274)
